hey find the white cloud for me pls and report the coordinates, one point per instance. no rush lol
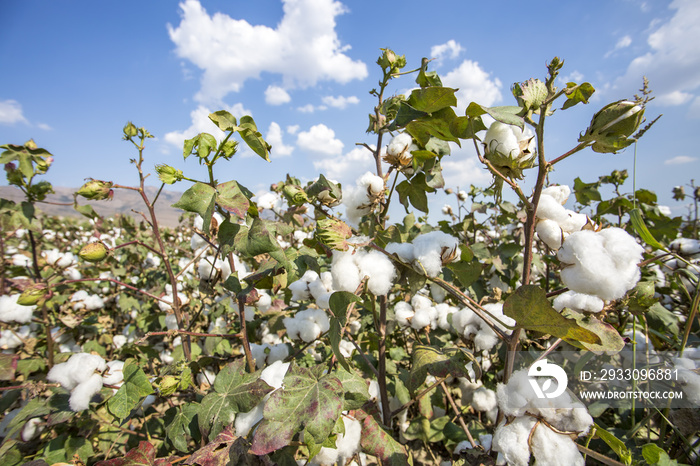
(340, 102)
(623, 42)
(202, 124)
(347, 168)
(292, 129)
(575, 76)
(274, 138)
(474, 85)
(308, 108)
(44, 126)
(672, 63)
(450, 49)
(680, 159)
(275, 95)
(320, 139)
(673, 98)
(11, 112)
(304, 47)
(462, 169)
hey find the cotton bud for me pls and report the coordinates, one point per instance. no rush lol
(333, 233)
(328, 193)
(96, 190)
(32, 295)
(130, 130)
(295, 195)
(611, 127)
(398, 153)
(168, 174)
(93, 252)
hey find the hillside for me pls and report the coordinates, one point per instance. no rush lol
(125, 202)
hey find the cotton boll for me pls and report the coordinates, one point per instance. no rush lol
(258, 353)
(345, 272)
(685, 246)
(78, 369)
(600, 263)
(273, 375)
(578, 302)
(31, 429)
(432, 250)
(171, 322)
(300, 290)
(115, 374)
(437, 293)
(10, 311)
(347, 445)
(550, 232)
(379, 269)
(245, 421)
(511, 440)
(552, 449)
(550, 209)
(404, 251)
(484, 399)
(424, 317)
(278, 353)
(443, 311)
(83, 392)
(373, 183)
(403, 313)
(206, 377)
(399, 144)
(690, 381)
(574, 222)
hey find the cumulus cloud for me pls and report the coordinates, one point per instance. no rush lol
(321, 140)
(304, 47)
(274, 138)
(679, 160)
(672, 63)
(623, 42)
(450, 49)
(340, 102)
(346, 168)
(11, 112)
(475, 85)
(674, 98)
(462, 168)
(202, 124)
(275, 95)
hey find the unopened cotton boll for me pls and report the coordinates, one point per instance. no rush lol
(578, 302)
(602, 263)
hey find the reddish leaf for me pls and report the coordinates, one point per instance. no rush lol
(378, 442)
(143, 455)
(227, 449)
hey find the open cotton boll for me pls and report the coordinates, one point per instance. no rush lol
(484, 400)
(245, 421)
(434, 249)
(82, 300)
(512, 440)
(559, 193)
(379, 269)
(553, 449)
(424, 317)
(32, 428)
(403, 313)
(549, 208)
(602, 263)
(345, 272)
(347, 445)
(300, 290)
(373, 183)
(10, 311)
(115, 374)
(399, 144)
(78, 369)
(171, 322)
(307, 325)
(443, 311)
(578, 302)
(690, 381)
(685, 246)
(273, 375)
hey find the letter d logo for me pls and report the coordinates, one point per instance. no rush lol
(544, 369)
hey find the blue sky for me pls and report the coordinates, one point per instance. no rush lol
(74, 72)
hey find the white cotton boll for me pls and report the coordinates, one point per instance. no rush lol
(464, 322)
(82, 394)
(501, 138)
(373, 183)
(574, 222)
(550, 232)
(347, 445)
(437, 293)
(115, 374)
(559, 193)
(8, 340)
(307, 325)
(403, 313)
(71, 273)
(432, 250)
(318, 288)
(264, 302)
(345, 272)
(549, 208)
(685, 246)
(443, 311)
(600, 263)
(300, 290)
(258, 353)
(324, 300)
(424, 317)
(278, 353)
(206, 377)
(484, 399)
(552, 449)
(404, 251)
(78, 369)
(20, 260)
(578, 302)
(514, 397)
(357, 204)
(511, 440)
(166, 357)
(379, 269)
(419, 301)
(690, 381)
(10, 311)
(273, 375)
(485, 340)
(346, 348)
(31, 429)
(399, 143)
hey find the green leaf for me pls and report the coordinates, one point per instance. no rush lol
(356, 388)
(466, 272)
(224, 120)
(36, 407)
(249, 132)
(437, 125)
(306, 403)
(135, 387)
(432, 99)
(376, 441)
(663, 320)
(261, 239)
(577, 93)
(586, 192)
(642, 230)
(181, 424)
(339, 302)
(233, 197)
(656, 456)
(610, 339)
(414, 191)
(616, 444)
(405, 115)
(430, 360)
(461, 127)
(235, 391)
(199, 198)
(531, 309)
(506, 114)
(8, 366)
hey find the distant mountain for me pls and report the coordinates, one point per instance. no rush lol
(125, 202)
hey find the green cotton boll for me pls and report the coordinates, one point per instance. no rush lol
(94, 252)
(168, 174)
(96, 190)
(611, 127)
(32, 295)
(295, 195)
(130, 130)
